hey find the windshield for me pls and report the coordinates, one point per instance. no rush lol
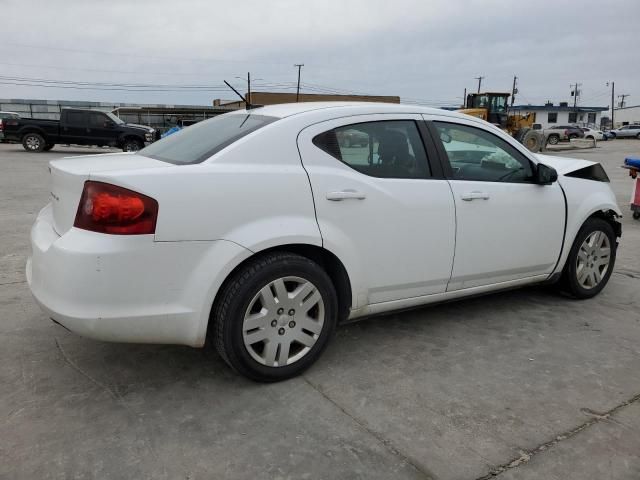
(198, 142)
(498, 104)
(114, 118)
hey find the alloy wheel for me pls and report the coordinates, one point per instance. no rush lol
(593, 259)
(33, 143)
(283, 321)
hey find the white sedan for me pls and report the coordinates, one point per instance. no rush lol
(260, 231)
(592, 134)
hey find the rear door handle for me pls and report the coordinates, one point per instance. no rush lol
(474, 196)
(345, 195)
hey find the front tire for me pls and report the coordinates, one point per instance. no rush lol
(274, 317)
(132, 145)
(33, 142)
(553, 139)
(591, 260)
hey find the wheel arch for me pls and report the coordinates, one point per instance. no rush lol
(604, 212)
(323, 257)
(30, 129)
(129, 136)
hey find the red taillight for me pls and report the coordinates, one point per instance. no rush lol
(1, 126)
(566, 133)
(107, 208)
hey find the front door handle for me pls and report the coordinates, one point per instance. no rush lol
(474, 196)
(345, 195)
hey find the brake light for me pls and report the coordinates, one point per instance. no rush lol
(1, 125)
(566, 133)
(107, 208)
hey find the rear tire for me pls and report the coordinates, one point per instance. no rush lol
(553, 139)
(590, 261)
(258, 318)
(33, 142)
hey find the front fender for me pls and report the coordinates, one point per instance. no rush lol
(583, 199)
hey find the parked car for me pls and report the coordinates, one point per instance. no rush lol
(259, 231)
(627, 131)
(562, 132)
(5, 117)
(593, 134)
(78, 127)
(608, 135)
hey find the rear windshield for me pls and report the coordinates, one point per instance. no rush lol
(198, 142)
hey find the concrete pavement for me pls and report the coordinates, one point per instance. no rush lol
(519, 385)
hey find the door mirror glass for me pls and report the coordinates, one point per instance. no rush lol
(545, 175)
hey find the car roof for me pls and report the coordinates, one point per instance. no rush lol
(344, 108)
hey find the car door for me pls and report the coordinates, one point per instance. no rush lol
(74, 128)
(101, 129)
(380, 206)
(508, 227)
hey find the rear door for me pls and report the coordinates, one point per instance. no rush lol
(73, 128)
(380, 205)
(508, 227)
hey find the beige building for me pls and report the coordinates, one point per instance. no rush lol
(273, 98)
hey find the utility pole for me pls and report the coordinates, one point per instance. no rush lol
(514, 90)
(479, 82)
(299, 65)
(248, 89)
(575, 93)
(464, 98)
(613, 105)
(623, 96)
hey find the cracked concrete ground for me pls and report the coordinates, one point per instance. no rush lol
(519, 385)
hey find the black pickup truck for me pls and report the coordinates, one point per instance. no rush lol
(78, 127)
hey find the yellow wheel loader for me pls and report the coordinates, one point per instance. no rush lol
(492, 107)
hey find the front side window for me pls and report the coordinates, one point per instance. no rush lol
(385, 149)
(552, 117)
(475, 154)
(202, 140)
(97, 120)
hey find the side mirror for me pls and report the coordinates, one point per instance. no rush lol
(545, 175)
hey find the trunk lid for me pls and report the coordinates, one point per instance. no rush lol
(69, 174)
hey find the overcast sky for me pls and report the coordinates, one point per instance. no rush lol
(426, 51)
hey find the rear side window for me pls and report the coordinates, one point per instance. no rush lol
(198, 142)
(76, 118)
(385, 149)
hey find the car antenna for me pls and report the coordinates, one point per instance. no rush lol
(248, 105)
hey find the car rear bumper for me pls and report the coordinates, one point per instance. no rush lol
(127, 288)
